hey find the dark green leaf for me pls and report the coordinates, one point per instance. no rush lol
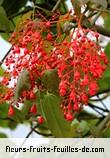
(23, 83)
(83, 128)
(107, 51)
(77, 6)
(106, 18)
(50, 81)
(54, 116)
(13, 6)
(4, 22)
(1, 1)
(99, 3)
(63, 8)
(40, 1)
(3, 135)
(104, 82)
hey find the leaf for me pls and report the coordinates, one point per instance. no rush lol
(106, 17)
(54, 116)
(107, 51)
(63, 8)
(107, 133)
(40, 1)
(23, 83)
(83, 128)
(100, 3)
(48, 46)
(1, 71)
(14, 6)
(1, 1)
(3, 135)
(83, 2)
(104, 82)
(50, 80)
(4, 22)
(10, 122)
(77, 6)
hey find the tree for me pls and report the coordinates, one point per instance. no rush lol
(58, 67)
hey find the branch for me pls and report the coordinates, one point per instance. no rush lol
(101, 101)
(43, 134)
(1, 62)
(56, 6)
(94, 106)
(20, 12)
(32, 130)
(103, 31)
(28, 135)
(104, 122)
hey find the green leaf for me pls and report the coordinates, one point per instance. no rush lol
(100, 3)
(4, 22)
(107, 133)
(83, 128)
(40, 1)
(54, 116)
(3, 135)
(14, 6)
(1, 71)
(106, 17)
(104, 82)
(23, 83)
(50, 81)
(63, 8)
(10, 122)
(1, 1)
(107, 51)
(77, 6)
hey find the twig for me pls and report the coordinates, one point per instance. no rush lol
(103, 31)
(28, 135)
(56, 6)
(43, 134)
(95, 19)
(101, 98)
(102, 103)
(101, 10)
(95, 109)
(32, 130)
(94, 106)
(5, 56)
(104, 122)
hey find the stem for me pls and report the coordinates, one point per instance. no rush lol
(104, 122)
(32, 130)
(5, 56)
(101, 10)
(102, 103)
(56, 6)
(20, 12)
(95, 19)
(94, 106)
(28, 135)
(43, 134)
(103, 31)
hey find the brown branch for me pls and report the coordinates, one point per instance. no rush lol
(104, 122)
(1, 62)
(56, 6)
(102, 30)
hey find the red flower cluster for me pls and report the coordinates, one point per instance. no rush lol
(79, 60)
